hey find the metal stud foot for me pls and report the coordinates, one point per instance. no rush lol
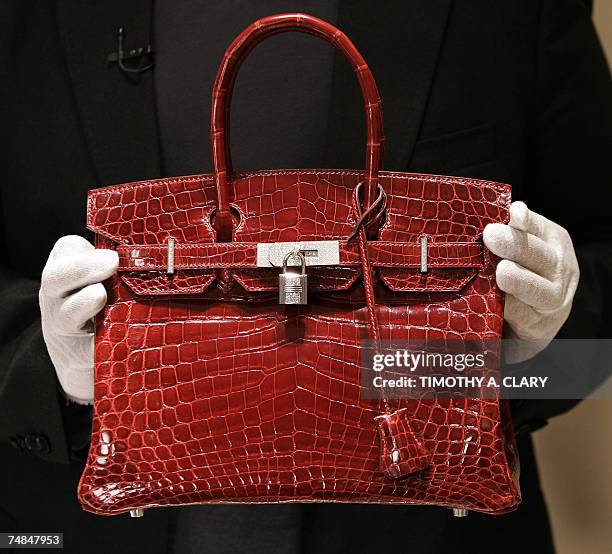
(138, 512)
(460, 512)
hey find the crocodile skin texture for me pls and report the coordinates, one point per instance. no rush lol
(208, 391)
(237, 255)
(205, 394)
(224, 84)
(397, 434)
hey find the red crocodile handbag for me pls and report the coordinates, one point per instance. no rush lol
(223, 377)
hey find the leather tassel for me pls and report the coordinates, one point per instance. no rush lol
(401, 453)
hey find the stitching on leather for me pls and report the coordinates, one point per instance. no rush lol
(253, 245)
(179, 265)
(502, 200)
(454, 286)
(149, 251)
(143, 289)
(208, 211)
(498, 187)
(243, 218)
(347, 282)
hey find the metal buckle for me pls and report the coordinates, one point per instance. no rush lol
(423, 254)
(315, 252)
(170, 258)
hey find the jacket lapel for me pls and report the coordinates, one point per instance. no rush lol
(117, 110)
(400, 41)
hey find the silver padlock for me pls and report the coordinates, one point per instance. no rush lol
(293, 287)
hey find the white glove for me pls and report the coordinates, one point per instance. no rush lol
(539, 274)
(71, 293)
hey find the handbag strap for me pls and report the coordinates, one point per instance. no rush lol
(401, 453)
(224, 85)
(243, 255)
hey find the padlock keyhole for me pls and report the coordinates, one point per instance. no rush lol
(293, 286)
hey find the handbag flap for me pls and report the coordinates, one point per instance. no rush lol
(139, 218)
(433, 280)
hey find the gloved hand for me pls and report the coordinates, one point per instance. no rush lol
(71, 293)
(539, 274)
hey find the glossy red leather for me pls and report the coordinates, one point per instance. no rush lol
(208, 391)
(222, 94)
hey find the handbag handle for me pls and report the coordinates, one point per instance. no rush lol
(222, 93)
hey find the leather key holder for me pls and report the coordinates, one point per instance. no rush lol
(227, 359)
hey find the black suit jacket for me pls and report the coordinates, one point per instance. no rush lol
(516, 91)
